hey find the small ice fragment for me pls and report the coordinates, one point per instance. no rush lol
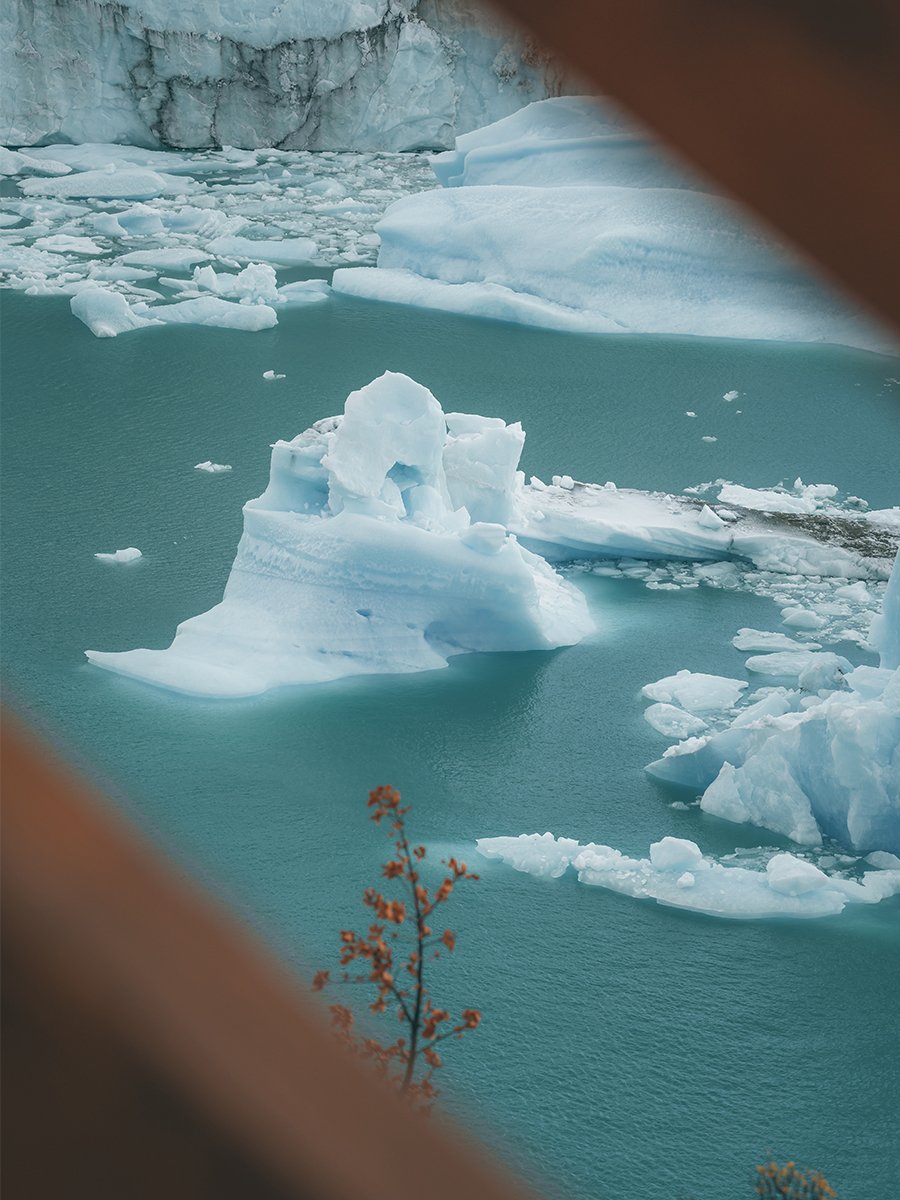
(673, 853)
(884, 860)
(708, 438)
(729, 396)
(708, 519)
(564, 481)
(270, 375)
(690, 414)
(129, 554)
(685, 881)
(801, 618)
(212, 468)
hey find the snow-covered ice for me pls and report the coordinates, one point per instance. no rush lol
(369, 552)
(696, 692)
(677, 874)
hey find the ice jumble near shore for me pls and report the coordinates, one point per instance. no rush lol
(380, 545)
(564, 215)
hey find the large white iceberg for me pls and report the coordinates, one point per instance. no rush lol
(378, 546)
(562, 216)
(677, 874)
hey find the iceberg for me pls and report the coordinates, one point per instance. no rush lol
(375, 548)
(561, 216)
(820, 761)
(677, 874)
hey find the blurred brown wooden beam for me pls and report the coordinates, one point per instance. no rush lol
(792, 106)
(152, 1048)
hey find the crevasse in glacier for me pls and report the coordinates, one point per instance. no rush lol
(564, 215)
(316, 74)
(380, 545)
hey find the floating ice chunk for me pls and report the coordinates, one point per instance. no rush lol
(707, 438)
(107, 313)
(354, 561)
(690, 414)
(883, 860)
(304, 291)
(68, 244)
(213, 311)
(13, 162)
(709, 520)
(729, 396)
(760, 639)
(817, 668)
(696, 692)
(212, 468)
(674, 722)
(539, 854)
(164, 259)
(270, 375)
(291, 252)
(792, 876)
(675, 854)
(787, 887)
(129, 183)
(129, 554)
(802, 618)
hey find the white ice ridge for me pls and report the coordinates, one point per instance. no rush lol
(380, 545)
(677, 874)
(817, 759)
(562, 215)
(318, 74)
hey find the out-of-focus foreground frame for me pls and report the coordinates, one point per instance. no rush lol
(793, 106)
(151, 1047)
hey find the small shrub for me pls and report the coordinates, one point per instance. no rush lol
(399, 978)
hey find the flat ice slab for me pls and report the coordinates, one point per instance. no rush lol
(677, 874)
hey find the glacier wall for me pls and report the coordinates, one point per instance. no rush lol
(300, 74)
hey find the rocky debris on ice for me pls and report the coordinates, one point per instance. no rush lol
(562, 215)
(374, 549)
(677, 874)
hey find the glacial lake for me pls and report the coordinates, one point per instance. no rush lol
(626, 1048)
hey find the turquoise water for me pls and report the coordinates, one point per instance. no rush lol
(627, 1049)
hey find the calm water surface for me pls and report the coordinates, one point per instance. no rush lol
(628, 1049)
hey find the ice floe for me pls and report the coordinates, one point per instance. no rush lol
(677, 874)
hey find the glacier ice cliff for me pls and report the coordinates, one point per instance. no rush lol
(378, 546)
(314, 74)
(563, 215)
